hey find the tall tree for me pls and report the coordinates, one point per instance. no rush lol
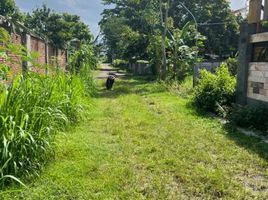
(215, 21)
(60, 28)
(214, 17)
(137, 21)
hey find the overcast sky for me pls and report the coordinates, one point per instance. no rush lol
(89, 10)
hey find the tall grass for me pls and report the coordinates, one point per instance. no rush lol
(32, 109)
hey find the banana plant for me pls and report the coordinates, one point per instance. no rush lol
(184, 45)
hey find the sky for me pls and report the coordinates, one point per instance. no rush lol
(89, 10)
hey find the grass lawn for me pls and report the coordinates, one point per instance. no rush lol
(141, 142)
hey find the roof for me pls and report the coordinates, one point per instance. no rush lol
(19, 27)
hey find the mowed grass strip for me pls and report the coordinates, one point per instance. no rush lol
(142, 142)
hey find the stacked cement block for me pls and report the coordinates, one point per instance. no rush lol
(140, 69)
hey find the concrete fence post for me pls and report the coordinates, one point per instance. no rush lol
(245, 56)
(133, 68)
(26, 41)
(265, 10)
(66, 60)
(46, 57)
(139, 68)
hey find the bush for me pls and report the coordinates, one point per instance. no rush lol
(255, 117)
(232, 64)
(215, 91)
(83, 58)
(119, 63)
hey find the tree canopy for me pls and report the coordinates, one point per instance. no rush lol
(8, 8)
(215, 21)
(59, 28)
(139, 19)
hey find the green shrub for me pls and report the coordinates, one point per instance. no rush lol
(215, 91)
(83, 58)
(255, 117)
(119, 63)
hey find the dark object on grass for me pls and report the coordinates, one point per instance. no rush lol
(110, 81)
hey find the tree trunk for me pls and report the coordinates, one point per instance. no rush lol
(164, 33)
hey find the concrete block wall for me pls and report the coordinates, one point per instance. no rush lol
(38, 46)
(252, 78)
(48, 54)
(258, 81)
(62, 57)
(140, 68)
(51, 55)
(15, 61)
(209, 66)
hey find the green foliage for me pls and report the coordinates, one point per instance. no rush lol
(32, 109)
(184, 47)
(133, 30)
(219, 25)
(59, 28)
(119, 63)
(155, 53)
(7, 46)
(86, 77)
(255, 117)
(182, 51)
(181, 88)
(127, 28)
(8, 8)
(215, 91)
(232, 64)
(84, 57)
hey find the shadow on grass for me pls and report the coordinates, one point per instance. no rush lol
(251, 143)
(129, 85)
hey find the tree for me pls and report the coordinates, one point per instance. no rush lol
(59, 28)
(127, 27)
(184, 46)
(132, 30)
(164, 24)
(214, 17)
(215, 20)
(8, 8)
